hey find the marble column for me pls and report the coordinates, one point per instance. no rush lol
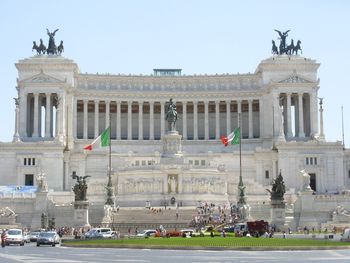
(301, 115)
(16, 137)
(250, 118)
(313, 114)
(228, 117)
(36, 116)
(151, 120)
(140, 120)
(129, 120)
(24, 116)
(118, 128)
(47, 116)
(75, 112)
(206, 120)
(239, 111)
(217, 120)
(289, 118)
(195, 120)
(107, 115)
(322, 136)
(184, 120)
(85, 131)
(162, 119)
(96, 118)
(261, 118)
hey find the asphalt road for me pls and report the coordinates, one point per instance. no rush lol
(47, 254)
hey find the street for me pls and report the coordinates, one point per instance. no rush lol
(32, 254)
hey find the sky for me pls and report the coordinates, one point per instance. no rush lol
(200, 37)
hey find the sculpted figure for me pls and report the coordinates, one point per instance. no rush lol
(305, 181)
(52, 49)
(283, 36)
(171, 115)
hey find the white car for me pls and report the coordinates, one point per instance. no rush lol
(98, 233)
(14, 236)
(147, 233)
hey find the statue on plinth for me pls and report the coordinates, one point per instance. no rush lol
(305, 181)
(42, 183)
(171, 115)
(80, 188)
(278, 189)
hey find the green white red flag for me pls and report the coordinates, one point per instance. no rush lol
(232, 138)
(101, 141)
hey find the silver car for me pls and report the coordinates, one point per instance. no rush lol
(48, 238)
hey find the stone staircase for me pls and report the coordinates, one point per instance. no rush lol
(144, 218)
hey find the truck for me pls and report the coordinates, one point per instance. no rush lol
(253, 227)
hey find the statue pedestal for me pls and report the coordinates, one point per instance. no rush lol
(108, 216)
(40, 207)
(81, 213)
(305, 203)
(278, 214)
(172, 148)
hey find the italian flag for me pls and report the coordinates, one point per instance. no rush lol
(101, 141)
(232, 138)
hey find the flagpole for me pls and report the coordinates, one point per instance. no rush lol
(241, 196)
(109, 187)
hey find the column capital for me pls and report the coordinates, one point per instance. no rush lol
(140, 102)
(206, 102)
(250, 100)
(162, 102)
(107, 101)
(48, 94)
(96, 101)
(217, 101)
(195, 102)
(228, 101)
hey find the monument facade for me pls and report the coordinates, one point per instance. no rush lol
(59, 110)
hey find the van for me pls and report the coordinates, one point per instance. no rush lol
(346, 235)
(97, 232)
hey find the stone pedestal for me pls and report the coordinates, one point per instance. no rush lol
(172, 148)
(305, 204)
(108, 216)
(81, 214)
(40, 207)
(278, 214)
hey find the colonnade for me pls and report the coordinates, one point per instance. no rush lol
(91, 117)
(32, 123)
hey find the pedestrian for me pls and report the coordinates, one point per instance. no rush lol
(211, 233)
(284, 234)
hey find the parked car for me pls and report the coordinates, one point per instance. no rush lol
(346, 235)
(48, 238)
(98, 233)
(14, 236)
(33, 236)
(147, 233)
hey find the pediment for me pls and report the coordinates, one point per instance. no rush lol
(42, 78)
(295, 79)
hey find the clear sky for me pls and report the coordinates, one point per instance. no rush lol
(198, 36)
